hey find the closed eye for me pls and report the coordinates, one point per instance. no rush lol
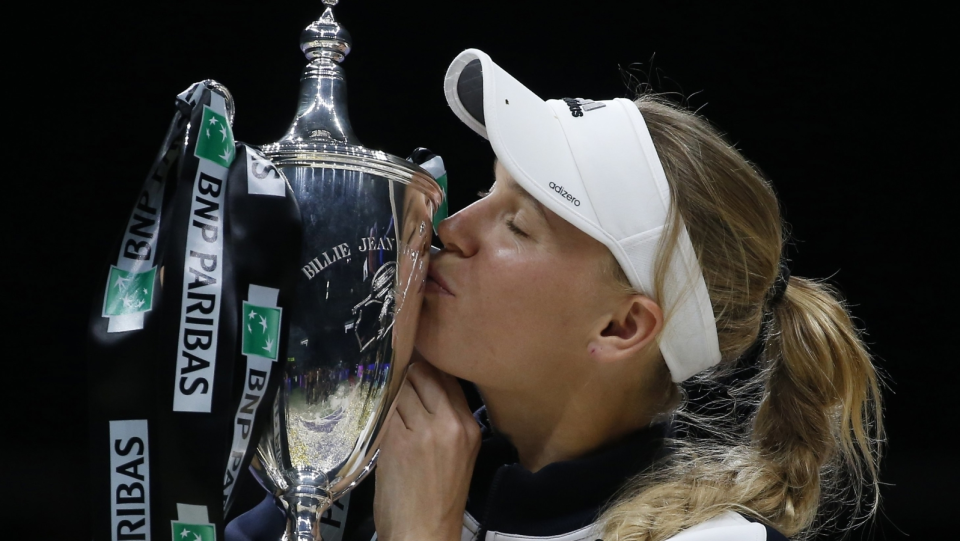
(512, 227)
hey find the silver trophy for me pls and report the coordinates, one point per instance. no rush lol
(367, 219)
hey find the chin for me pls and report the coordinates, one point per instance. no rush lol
(446, 359)
(425, 344)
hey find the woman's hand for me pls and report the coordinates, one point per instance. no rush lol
(426, 460)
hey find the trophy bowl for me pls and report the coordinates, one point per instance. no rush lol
(367, 219)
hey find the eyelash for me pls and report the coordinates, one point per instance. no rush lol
(515, 229)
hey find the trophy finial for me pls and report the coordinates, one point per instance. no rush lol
(325, 38)
(322, 110)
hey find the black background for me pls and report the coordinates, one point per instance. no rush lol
(843, 108)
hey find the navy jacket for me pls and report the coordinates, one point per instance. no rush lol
(507, 502)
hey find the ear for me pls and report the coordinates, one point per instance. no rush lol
(631, 328)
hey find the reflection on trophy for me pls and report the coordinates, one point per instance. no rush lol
(367, 220)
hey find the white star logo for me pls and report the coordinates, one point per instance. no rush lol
(128, 301)
(249, 328)
(122, 283)
(223, 132)
(208, 133)
(185, 532)
(226, 154)
(145, 292)
(252, 313)
(263, 323)
(213, 121)
(269, 346)
(196, 537)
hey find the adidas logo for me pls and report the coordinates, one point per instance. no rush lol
(579, 105)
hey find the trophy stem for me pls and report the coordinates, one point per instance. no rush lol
(305, 504)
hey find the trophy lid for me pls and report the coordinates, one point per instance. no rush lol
(321, 134)
(322, 109)
(325, 37)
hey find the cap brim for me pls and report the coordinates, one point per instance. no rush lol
(523, 131)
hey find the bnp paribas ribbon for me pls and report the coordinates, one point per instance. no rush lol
(187, 338)
(259, 309)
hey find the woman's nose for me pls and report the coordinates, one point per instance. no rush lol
(458, 233)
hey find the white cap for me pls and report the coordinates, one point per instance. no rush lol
(593, 164)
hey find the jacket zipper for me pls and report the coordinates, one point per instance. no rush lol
(482, 527)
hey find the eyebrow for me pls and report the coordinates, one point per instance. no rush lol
(516, 188)
(537, 205)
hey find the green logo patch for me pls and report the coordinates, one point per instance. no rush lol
(442, 211)
(261, 330)
(128, 292)
(215, 139)
(184, 531)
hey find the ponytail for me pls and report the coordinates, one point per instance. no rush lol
(812, 442)
(819, 421)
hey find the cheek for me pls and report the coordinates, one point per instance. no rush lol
(513, 320)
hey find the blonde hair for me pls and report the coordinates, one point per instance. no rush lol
(810, 441)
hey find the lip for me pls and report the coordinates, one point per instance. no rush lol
(436, 283)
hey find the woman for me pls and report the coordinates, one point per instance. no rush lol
(623, 249)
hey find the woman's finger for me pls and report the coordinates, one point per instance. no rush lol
(428, 383)
(446, 391)
(393, 434)
(409, 407)
(461, 407)
(455, 394)
(396, 419)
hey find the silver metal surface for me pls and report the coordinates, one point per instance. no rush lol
(367, 220)
(321, 111)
